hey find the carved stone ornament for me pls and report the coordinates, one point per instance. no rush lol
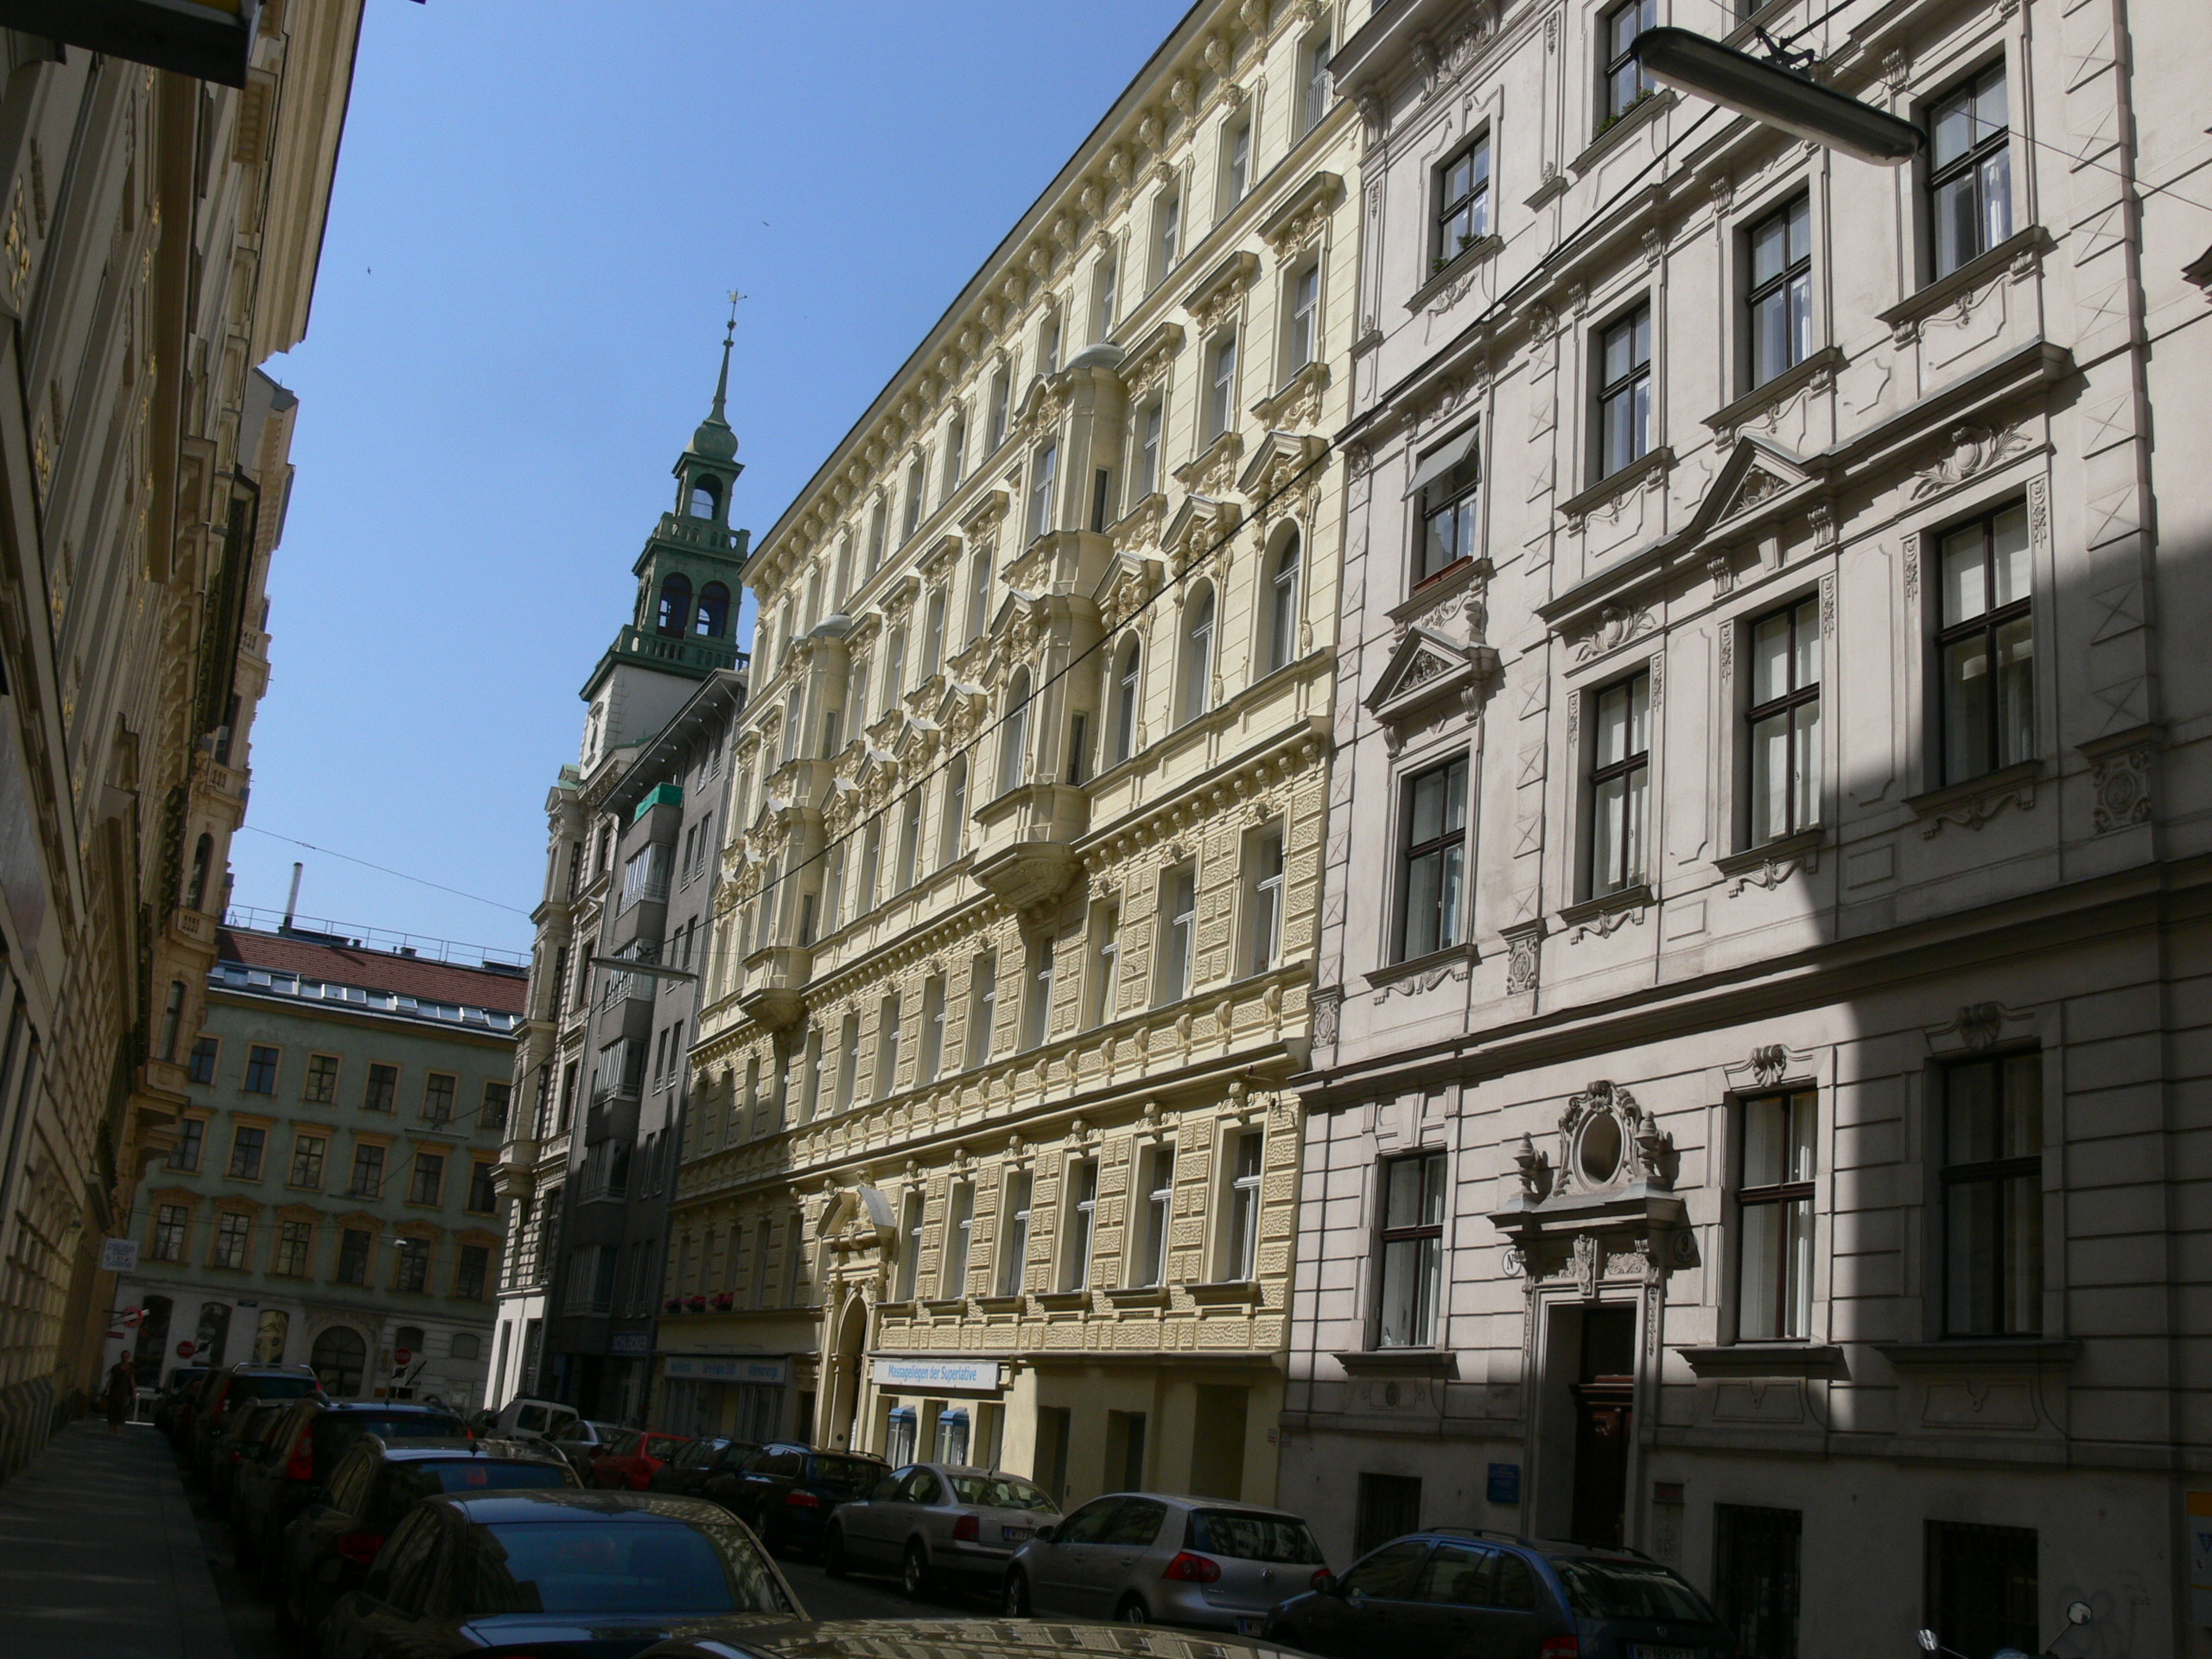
(2121, 786)
(1606, 1140)
(1973, 449)
(1327, 1003)
(1770, 1064)
(1617, 625)
(1524, 957)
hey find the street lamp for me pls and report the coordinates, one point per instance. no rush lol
(1675, 57)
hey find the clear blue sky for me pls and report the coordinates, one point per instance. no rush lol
(539, 206)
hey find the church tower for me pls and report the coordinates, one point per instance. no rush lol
(685, 624)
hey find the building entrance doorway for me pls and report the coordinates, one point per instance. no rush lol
(1604, 1393)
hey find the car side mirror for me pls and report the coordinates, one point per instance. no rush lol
(1046, 1534)
(1324, 1584)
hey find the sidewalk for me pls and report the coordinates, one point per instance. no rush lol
(101, 1557)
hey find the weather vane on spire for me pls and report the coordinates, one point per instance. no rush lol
(735, 297)
(729, 334)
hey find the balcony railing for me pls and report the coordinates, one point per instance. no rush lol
(685, 651)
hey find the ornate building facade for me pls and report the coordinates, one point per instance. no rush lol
(622, 928)
(1758, 1078)
(158, 241)
(991, 1155)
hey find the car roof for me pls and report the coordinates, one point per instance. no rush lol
(1187, 1501)
(1562, 1547)
(423, 1448)
(577, 1503)
(385, 1407)
(866, 1638)
(967, 1468)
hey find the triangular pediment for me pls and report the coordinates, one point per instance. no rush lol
(1757, 471)
(1277, 458)
(1199, 524)
(1424, 666)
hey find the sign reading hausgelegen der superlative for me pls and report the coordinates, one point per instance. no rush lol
(936, 1373)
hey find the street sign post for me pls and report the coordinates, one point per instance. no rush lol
(184, 1351)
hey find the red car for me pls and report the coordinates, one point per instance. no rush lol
(629, 1460)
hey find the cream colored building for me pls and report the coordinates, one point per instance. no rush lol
(990, 1154)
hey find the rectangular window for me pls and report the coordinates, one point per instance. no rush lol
(1413, 1250)
(982, 1007)
(1970, 172)
(383, 1088)
(1448, 482)
(1624, 392)
(1625, 84)
(1167, 233)
(959, 1237)
(931, 1061)
(644, 875)
(1013, 1235)
(1300, 342)
(1982, 1587)
(307, 1159)
(1263, 876)
(204, 1053)
(1149, 425)
(1042, 474)
(1986, 645)
(1240, 1254)
(1177, 931)
(1620, 785)
(246, 1148)
(429, 1179)
(352, 1257)
(1785, 722)
(1037, 1004)
(295, 1242)
(1105, 298)
(1462, 202)
(1221, 386)
(996, 428)
(910, 1246)
(191, 1139)
(1756, 1576)
(260, 1069)
(170, 1222)
(1780, 296)
(1433, 860)
(410, 1265)
(232, 1235)
(498, 1094)
(912, 520)
(438, 1091)
(473, 1271)
(322, 1086)
(1235, 163)
(483, 1195)
(368, 1173)
(1082, 1224)
(1775, 1197)
(1315, 102)
(1105, 961)
(887, 1047)
(1158, 1211)
(1992, 1181)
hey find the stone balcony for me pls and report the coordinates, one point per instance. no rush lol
(1027, 855)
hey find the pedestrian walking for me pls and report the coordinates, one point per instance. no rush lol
(122, 1390)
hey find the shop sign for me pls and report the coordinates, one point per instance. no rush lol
(630, 1342)
(715, 1368)
(936, 1373)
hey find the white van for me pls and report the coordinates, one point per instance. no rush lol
(530, 1419)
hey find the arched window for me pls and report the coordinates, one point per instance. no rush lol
(1197, 654)
(675, 603)
(1013, 733)
(1282, 605)
(1128, 677)
(203, 859)
(714, 611)
(952, 834)
(337, 1357)
(705, 498)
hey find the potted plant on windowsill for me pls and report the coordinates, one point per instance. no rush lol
(697, 1304)
(675, 1305)
(724, 1302)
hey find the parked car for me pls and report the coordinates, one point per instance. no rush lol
(630, 1459)
(226, 1389)
(523, 1418)
(970, 1638)
(242, 1442)
(313, 1438)
(176, 1387)
(1496, 1593)
(603, 1574)
(330, 1549)
(580, 1439)
(935, 1523)
(686, 1474)
(1145, 1558)
(788, 1493)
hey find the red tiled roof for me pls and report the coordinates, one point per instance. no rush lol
(375, 970)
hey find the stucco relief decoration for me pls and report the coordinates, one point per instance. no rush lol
(1607, 1141)
(2121, 783)
(1773, 870)
(1973, 449)
(1615, 627)
(1770, 1064)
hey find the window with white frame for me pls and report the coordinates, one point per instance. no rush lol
(1985, 645)
(1037, 999)
(1774, 1199)
(887, 1047)
(1240, 1237)
(1624, 392)
(1013, 1232)
(1462, 202)
(1156, 1213)
(876, 527)
(1784, 718)
(1001, 394)
(1447, 493)
(910, 1242)
(1166, 232)
(979, 595)
(1433, 860)
(1302, 331)
(1314, 75)
(1048, 343)
(1282, 605)
(982, 1007)
(955, 450)
(931, 1058)
(1410, 1284)
(1104, 989)
(1620, 784)
(1779, 299)
(1129, 676)
(910, 840)
(1105, 297)
(1149, 423)
(811, 1078)
(1013, 733)
(1236, 161)
(1197, 653)
(1221, 385)
(1081, 1200)
(1970, 170)
(1177, 931)
(952, 834)
(1044, 474)
(1263, 899)
(1625, 85)
(912, 520)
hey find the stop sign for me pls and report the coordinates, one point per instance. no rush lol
(184, 1351)
(401, 1356)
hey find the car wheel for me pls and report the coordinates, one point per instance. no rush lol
(1133, 1611)
(914, 1573)
(1014, 1601)
(833, 1554)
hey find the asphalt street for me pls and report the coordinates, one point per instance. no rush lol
(856, 1597)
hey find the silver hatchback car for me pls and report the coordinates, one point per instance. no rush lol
(938, 1523)
(1148, 1559)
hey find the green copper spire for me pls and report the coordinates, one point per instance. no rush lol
(714, 440)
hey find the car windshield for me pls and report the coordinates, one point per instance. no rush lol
(337, 1431)
(594, 1568)
(663, 1446)
(1606, 1589)
(1244, 1536)
(1000, 1492)
(406, 1485)
(848, 1477)
(271, 1388)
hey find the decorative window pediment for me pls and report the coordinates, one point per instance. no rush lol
(1600, 1205)
(1130, 581)
(1424, 670)
(1277, 459)
(1218, 290)
(1202, 524)
(1757, 472)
